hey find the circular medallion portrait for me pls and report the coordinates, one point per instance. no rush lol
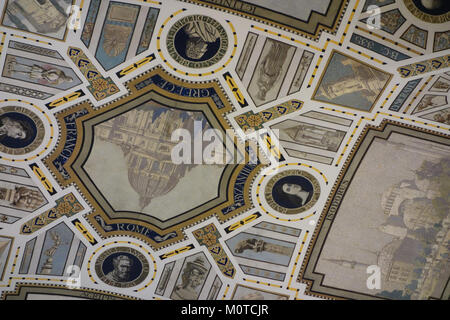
(21, 130)
(122, 267)
(197, 41)
(292, 191)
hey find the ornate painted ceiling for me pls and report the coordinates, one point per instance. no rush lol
(224, 149)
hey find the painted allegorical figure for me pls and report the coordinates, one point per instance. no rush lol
(22, 197)
(48, 265)
(270, 68)
(41, 74)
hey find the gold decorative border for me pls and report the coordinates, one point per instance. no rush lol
(22, 289)
(133, 93)
(266, 15)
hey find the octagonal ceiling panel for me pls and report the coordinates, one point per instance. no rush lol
(335, 114)
(131, 164)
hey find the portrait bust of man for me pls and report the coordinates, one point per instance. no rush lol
(193, 276)
(15, 129)
(200, 35)
(122, 269)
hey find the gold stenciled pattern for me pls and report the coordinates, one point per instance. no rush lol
(65, 206)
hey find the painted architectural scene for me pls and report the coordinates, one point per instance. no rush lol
(405, 223)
